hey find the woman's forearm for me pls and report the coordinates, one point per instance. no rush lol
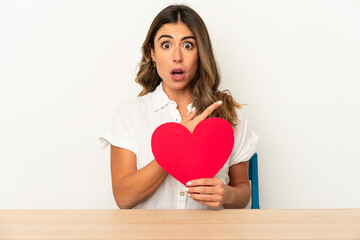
(238, 196)
(138, 186)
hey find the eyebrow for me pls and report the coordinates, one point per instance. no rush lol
(169, 36)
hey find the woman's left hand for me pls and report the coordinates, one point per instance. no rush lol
(208, 191)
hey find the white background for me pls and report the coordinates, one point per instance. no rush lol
(66, 65)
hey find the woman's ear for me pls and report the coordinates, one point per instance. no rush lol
(152, 51)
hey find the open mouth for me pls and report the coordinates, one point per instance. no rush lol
(177, 74)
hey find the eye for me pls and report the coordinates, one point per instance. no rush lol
(188, 45)
(166, 45)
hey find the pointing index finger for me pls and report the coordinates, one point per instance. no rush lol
(209, 110)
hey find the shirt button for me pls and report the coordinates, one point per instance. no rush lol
(182, 193)
(177, 119)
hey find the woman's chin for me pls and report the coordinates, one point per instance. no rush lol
(175, 85)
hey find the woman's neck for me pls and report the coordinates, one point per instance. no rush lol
(182, 98)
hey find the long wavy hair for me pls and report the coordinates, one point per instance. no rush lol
(204, 86)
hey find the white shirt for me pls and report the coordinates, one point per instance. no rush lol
(134, 122)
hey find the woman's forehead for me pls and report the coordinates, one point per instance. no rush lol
(178, 28)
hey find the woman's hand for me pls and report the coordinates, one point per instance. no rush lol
(208, 191)
(190, 122)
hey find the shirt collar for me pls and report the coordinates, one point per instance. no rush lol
(160, 99)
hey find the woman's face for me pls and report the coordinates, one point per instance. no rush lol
(176, 55)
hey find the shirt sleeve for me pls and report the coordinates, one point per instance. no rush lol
(245, 141)
(121, 133)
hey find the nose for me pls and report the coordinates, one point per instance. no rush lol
(177, 55)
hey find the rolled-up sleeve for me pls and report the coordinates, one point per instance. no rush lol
(245, 141)
(121, 133)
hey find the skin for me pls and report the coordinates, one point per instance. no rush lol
(174, 49)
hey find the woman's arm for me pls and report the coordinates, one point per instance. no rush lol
(239, 187)
(234, 195)
(131, 186)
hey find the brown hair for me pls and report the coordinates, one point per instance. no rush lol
(204, 86)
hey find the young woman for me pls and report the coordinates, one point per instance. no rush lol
(180, 82)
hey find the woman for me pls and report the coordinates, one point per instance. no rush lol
(180, 83)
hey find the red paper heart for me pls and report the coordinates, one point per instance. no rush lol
(187, 156)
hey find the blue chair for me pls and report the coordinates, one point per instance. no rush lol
(253, 177)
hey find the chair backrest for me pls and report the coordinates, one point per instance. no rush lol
(253, 177)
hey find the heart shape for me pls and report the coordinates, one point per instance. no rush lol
(187, 156)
